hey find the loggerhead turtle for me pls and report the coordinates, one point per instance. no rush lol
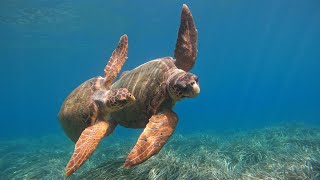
(157, 86)
(84, 114)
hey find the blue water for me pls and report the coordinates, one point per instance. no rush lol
(258, 61)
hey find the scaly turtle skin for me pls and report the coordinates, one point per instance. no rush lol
(85, 113)
(157, 86)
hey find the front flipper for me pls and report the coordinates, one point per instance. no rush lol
(187, 42)
(87, 143)
(116, 61)
(153, 138)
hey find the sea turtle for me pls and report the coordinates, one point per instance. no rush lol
(84, 114)
(157, 86)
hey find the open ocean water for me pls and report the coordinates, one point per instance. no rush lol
(257, 116)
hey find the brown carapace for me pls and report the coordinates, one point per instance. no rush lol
(154, 87)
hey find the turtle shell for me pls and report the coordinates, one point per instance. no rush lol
(147, 83)
(78, 110)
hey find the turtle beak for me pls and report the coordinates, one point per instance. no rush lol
(196, 89)
(193, 89)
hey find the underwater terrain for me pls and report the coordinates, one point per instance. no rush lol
(278, 152)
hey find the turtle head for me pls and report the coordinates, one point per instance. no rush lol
(118, 98)
(182, 85)
(113, 100)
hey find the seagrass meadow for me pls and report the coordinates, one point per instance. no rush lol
(244, 75)
(277, 152)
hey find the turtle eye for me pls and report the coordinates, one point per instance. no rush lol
(196, 78)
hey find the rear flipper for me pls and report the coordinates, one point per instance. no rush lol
(153, 138)
(87, 143)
